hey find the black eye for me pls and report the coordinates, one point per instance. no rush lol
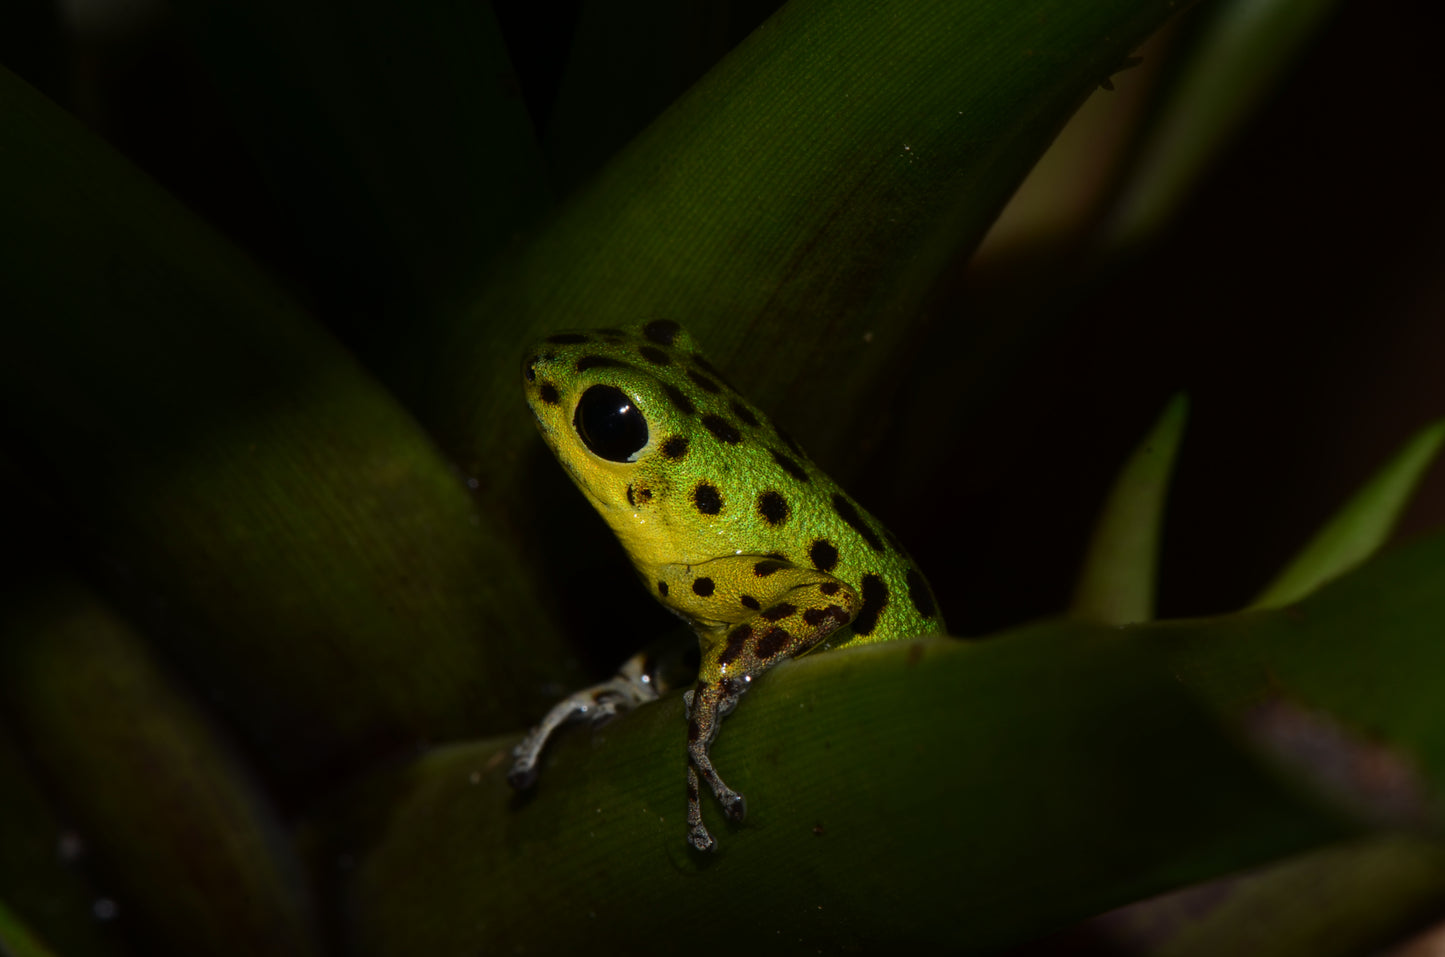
(610, 424)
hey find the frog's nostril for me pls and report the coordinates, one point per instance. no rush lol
(532, 369)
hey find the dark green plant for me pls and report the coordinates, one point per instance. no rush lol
(298, 575)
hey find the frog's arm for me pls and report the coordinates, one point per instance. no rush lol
(782, 610)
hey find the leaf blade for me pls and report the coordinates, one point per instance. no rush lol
(1359, 528)
(796, 207)
(1117, 581)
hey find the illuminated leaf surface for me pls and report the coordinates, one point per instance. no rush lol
(969, 795)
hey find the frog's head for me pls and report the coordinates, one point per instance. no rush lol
(640, 421)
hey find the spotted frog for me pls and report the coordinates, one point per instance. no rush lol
(726, 520)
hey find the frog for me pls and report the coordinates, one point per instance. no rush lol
(727, 522)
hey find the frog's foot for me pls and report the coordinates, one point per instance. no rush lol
(630, 687)
(735, 806)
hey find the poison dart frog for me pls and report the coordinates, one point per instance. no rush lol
(728, 523)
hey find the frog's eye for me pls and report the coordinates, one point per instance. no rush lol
(610, 424)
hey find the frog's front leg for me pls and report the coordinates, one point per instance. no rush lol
(789, 610)
(633, 685)
(707, 705)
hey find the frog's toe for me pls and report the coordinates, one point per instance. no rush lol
(734, 805)
(522, 776)
(700, 839)
(523, 772)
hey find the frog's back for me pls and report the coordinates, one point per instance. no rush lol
(707, 475)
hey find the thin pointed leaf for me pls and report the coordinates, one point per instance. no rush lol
(1117, 580)
(1359, 528)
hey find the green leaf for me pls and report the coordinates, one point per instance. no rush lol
(187, 843)
(962, 795)
(323, 569)
(797, 207)
(1116, 584)
(1359, 528)
(324, 581)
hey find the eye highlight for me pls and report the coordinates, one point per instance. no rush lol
(609, 424)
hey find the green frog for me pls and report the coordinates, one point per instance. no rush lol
(728, 522)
